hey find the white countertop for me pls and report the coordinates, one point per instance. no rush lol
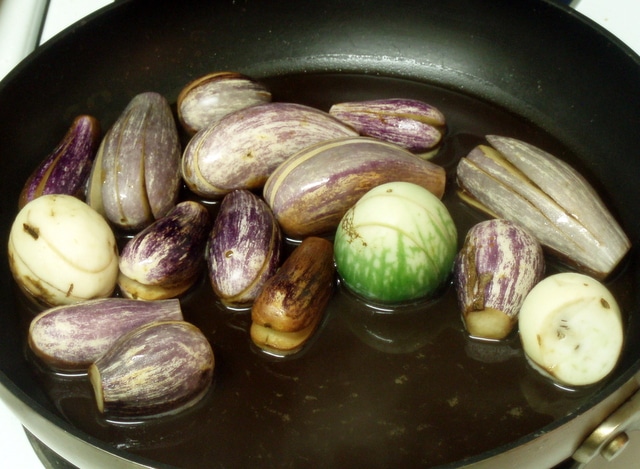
(621, 17)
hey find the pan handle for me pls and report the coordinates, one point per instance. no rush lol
(611, 437)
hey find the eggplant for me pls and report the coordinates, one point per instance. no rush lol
(311, 191)
(517, 181)
(245, 247)
(157, 369)
(72, 337)
(165, 259)
(243, 148)
(208, 98)
(292, 302)
(396, 244)
(61, 251)
(499, 263)
(409, 123)
(135, 177)
(571, 329)
(66, 169)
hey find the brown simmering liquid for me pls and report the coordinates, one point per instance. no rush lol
(372, 389)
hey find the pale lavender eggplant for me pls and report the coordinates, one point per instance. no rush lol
(243, 148)
(410, 123)
(72, 337)
(311, 191)
(168, 254)
(66, 169)
(520, 182)
(245, 248)
(207, 99)
(156, 369)
(136, 175)
(499, 263)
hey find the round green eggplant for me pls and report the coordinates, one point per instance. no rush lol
(396, 244)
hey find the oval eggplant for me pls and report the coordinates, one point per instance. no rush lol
(245, 246)
(242, 149)
(396, 244)
(135, 177)
(571, 329)
(518, 181)
(311, 191)
(165, 259)
(291, 304)
(61, 251)
(499, 263)
(72, 337)
(207, 99)
(409, 123)
(159, 368)
(66, 169)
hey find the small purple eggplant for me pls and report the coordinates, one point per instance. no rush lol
(208, 98)
(409, 123)
(498, 265)
(72, 337)
(165, 259)
(66, 169)
(242, 149)
(136, 174)
(244, 248)
(159, 368)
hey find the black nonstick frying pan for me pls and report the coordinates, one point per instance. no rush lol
(373, 390)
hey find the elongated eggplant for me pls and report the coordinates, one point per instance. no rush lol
(242, 149)
(207, 99)
(311, 191)
(245, 246)
(159, 368)
(61, 251)
(165, 259)
(409, 123)
(518, 181)
(66, 169)
(72, 337)
(291, 304)
(396, 244)
(136, 175)
(571, 329)
(499, 263)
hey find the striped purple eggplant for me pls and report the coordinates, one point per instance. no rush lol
(72, 337)
(165, 259)
(136, 175)
(66, 169)
(520, 182)
(409, 123)
(311, 191)
(159, 368)
(208, 98)
(245, 246)
(243, 148)
(499, 263)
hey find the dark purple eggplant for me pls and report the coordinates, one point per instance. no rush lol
(409, 123)
(72, 337)
(165, 259)
(66, 169)
(244, 248)
(499, 263)
(136, 174)
(159, 368)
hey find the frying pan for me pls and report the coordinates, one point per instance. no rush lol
(406, 389)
